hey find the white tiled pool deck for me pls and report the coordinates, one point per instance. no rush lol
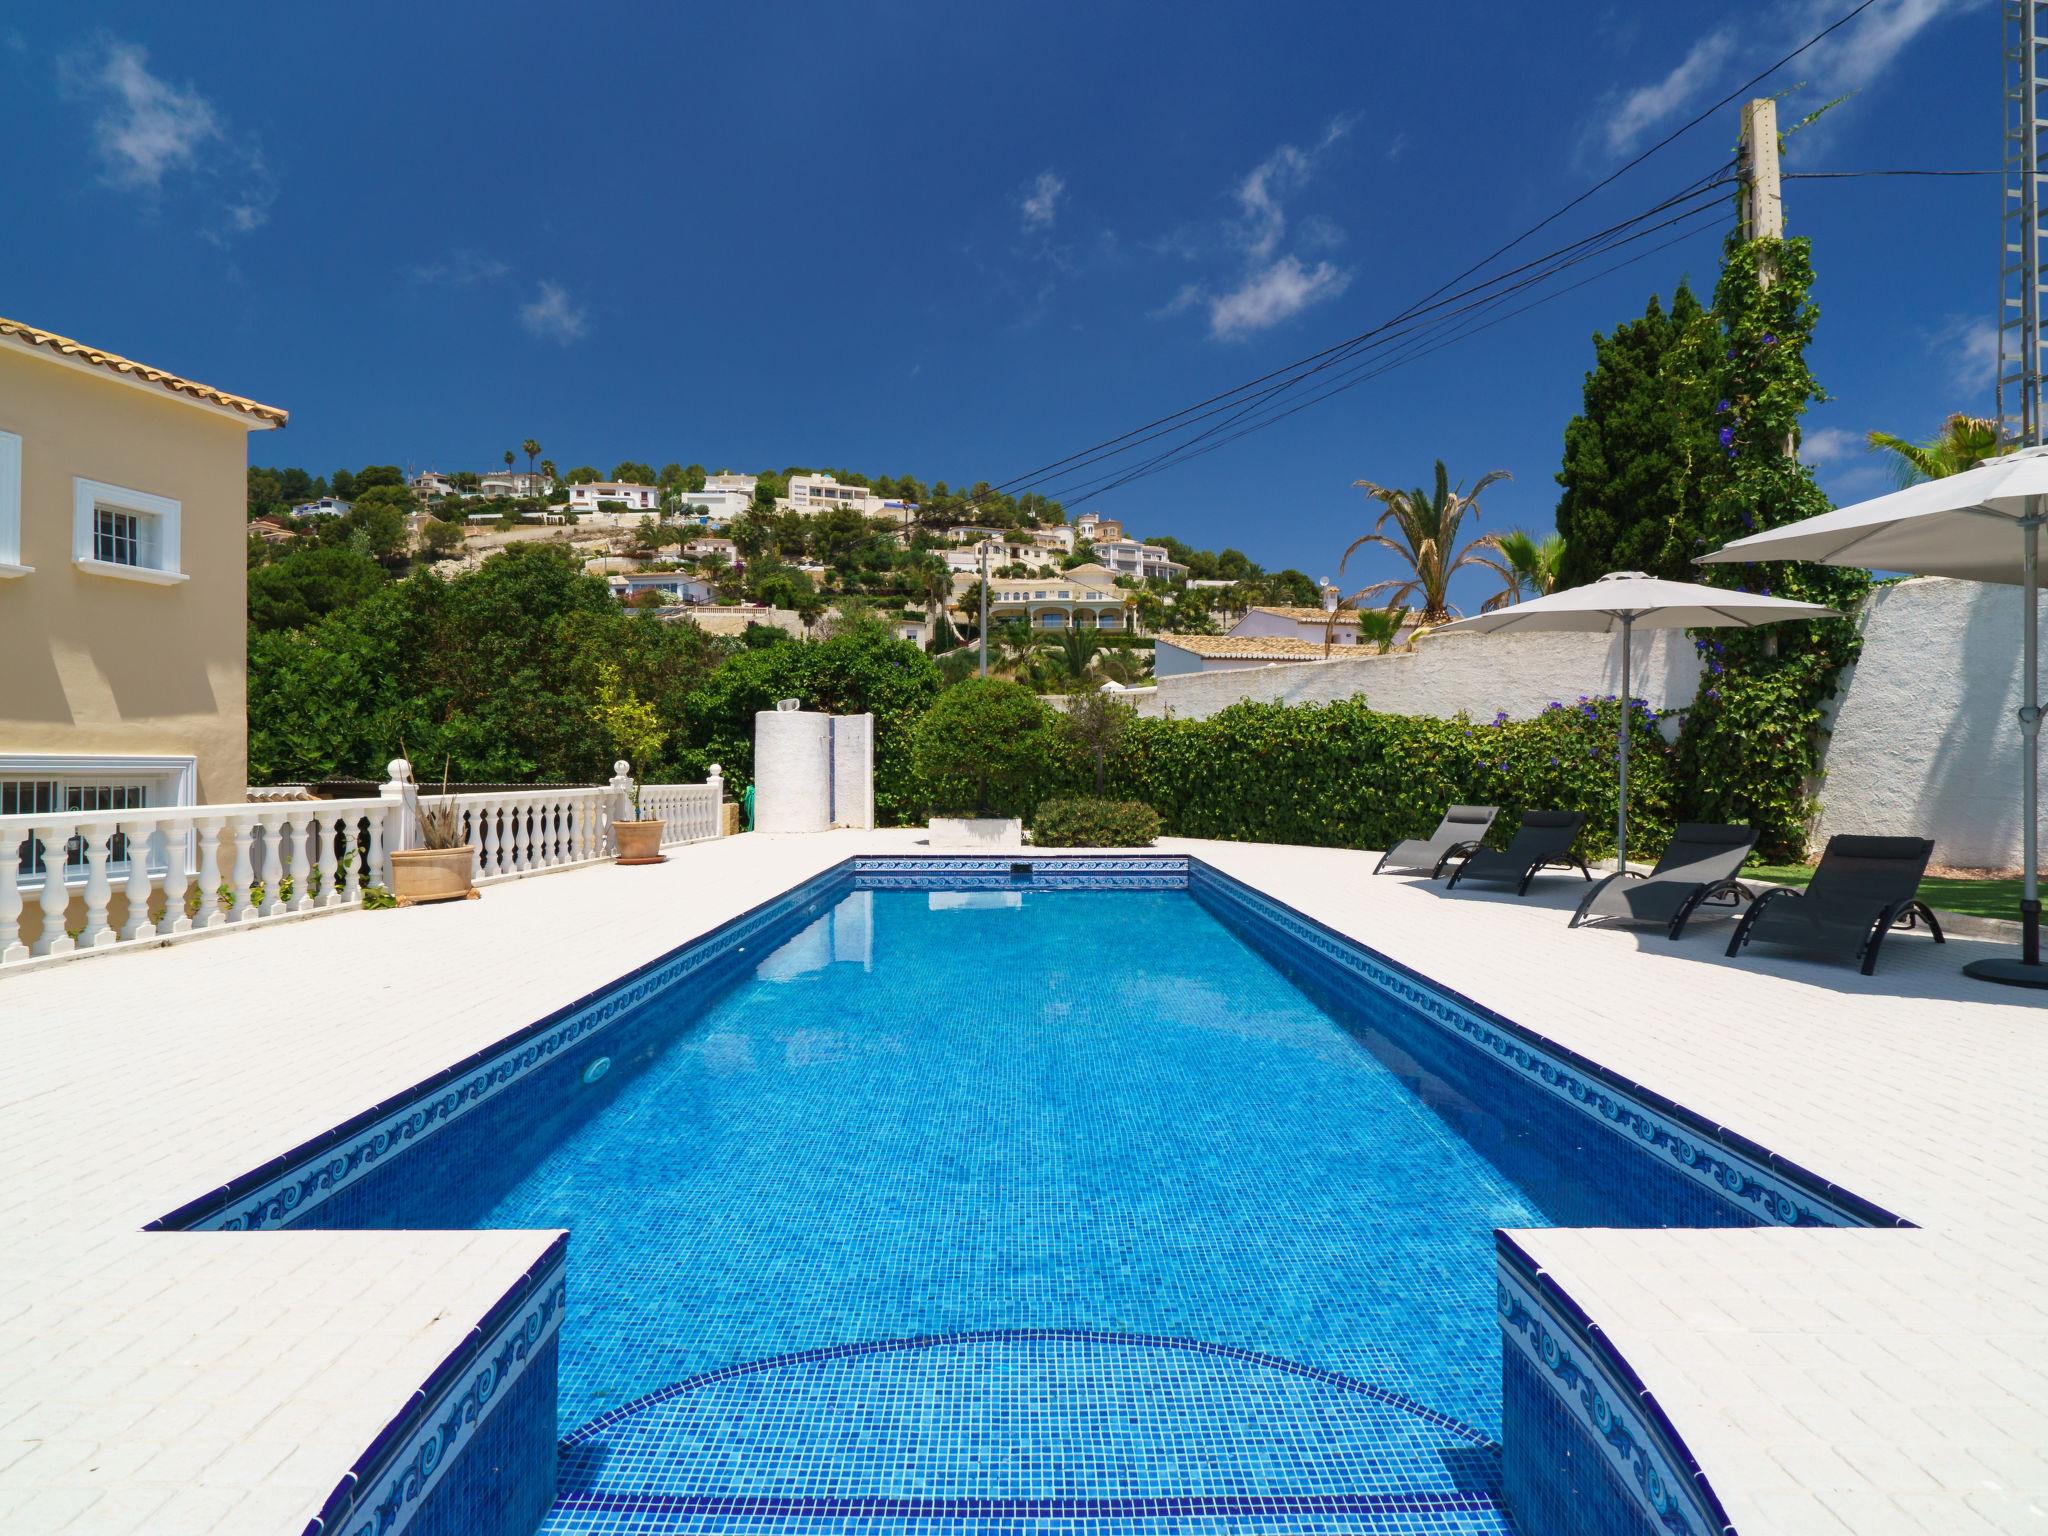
(1867, 1382)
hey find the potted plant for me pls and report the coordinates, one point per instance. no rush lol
(639, 842)
(634, 730)
(979, 750)
(443, 867)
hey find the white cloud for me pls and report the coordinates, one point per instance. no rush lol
(146, 127)
(1966, 348)
(1647, 106)
(1272, 294)
(1272, 283)
(1040, 204)
(1847, 60)
(148, 133)
(1830, 445)
(553, 316)
(461, 268)
(1398, 145)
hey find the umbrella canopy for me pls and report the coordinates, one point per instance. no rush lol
(1981, 525)
(1622, 600)
(1965, 525)
(1631, 599)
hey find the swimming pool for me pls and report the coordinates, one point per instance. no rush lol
(941, 1198)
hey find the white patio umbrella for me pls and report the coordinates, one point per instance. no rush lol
(1981, 525)
(1623, 600)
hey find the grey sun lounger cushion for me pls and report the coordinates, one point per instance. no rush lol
(1544, 838)
(1862, 889)
(1697, 866)
(1463, 828)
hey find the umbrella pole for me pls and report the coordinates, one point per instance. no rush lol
(2027, 971)
(1621, 750)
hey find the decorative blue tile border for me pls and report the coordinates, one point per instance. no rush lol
(1342, 1383)
(1307, 1512)
(1774, 1189)
(1047, 872)
(1604, 1397)
(380, 1494)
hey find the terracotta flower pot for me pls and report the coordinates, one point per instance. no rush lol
(433, 874)
(639, 842)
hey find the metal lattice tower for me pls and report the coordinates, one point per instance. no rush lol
(2021, 232)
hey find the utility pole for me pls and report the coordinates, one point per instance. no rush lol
(984, 607)
(2018, 398)
(1763, 198)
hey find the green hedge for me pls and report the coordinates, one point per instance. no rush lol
(1082, 821)
(1344, 775)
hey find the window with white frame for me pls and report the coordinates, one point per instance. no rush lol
(10, 505)
(117, 531)
(49, 786)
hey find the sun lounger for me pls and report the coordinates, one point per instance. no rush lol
(1697, 866)
(1543, 840)
(1862, 889)
(1462, 830)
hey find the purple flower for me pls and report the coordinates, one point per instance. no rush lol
(1727, 436)
(1770, 340)
(1714, 694)
(1723, 406)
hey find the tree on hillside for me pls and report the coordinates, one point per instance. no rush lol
(508, 458)
(547, 469)
(1427, 524)
(631, 472)
(532, 451)
(1643, 460)
(1963, 442)
(308, 582)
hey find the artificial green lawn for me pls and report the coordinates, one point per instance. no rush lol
(1977, 898)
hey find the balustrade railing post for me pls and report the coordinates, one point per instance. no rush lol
(55, 939)
(210, 914)
(99, 891)
(716, 779)
(141, 839)
(242, 873)
(271, 870)
(378, 822)
(400, 788)
(11, 947)
(176, 878)
(323, 867)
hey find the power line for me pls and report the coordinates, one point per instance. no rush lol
(1848, 175)
(1417, 333)
(1229, 399)
(1391, 332)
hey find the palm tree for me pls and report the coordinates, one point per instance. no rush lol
(1071, 654)
(1428, 528)
(1962, 443)
(547, 469)
(508, 458)
(1534, 563)
(530, 448)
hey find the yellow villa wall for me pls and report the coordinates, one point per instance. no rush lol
(99, 664)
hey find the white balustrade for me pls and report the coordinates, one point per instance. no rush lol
(231, 864)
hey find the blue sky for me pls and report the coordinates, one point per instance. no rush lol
(959, 241)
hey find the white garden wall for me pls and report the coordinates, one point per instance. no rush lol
(1480, 675)
(813, 771)
(1925, 741)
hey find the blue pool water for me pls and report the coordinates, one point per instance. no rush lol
(1049, 1209)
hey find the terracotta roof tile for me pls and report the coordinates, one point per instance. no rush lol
(1256, 648)
(78, 351)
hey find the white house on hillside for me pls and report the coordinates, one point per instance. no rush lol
(1148, 562)
(513, 483)
(431, 485)
(713, 509)
(326, 506)
(740, 484)
(1090, 526)
(631, 498)
(811, 494)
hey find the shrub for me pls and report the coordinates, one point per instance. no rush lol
(1086, 822)
(984, 746)
(1343, 775)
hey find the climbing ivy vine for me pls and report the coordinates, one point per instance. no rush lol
(1750, 748)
